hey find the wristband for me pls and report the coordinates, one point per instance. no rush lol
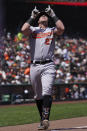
(55, 18)
(30, 20)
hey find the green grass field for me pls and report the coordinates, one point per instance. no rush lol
(19, 115)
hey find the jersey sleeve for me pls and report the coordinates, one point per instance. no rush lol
(53, 28)
(32, 28)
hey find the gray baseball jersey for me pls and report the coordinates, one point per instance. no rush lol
(42, 76)
(42, 43)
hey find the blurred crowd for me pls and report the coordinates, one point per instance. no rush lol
(15, 59)
(70, 59)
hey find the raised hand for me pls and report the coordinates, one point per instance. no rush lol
(34, 13)
(50, 11)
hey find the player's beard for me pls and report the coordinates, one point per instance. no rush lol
(45, 23)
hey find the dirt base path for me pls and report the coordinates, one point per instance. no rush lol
(74, 124)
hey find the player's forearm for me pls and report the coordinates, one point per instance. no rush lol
(26, 27)
(60, 27)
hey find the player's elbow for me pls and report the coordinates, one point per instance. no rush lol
(24, 32)
(25, 29)
(60, 26)
(61, 30)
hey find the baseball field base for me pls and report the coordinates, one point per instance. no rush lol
(69, 129)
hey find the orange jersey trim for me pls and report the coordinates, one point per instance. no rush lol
(41, 35)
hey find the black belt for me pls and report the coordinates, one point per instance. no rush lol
(41, 62)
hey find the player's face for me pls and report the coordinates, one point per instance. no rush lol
(43, 18)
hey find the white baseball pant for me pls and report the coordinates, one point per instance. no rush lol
(42, 79)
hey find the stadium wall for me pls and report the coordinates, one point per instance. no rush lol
(60, 92)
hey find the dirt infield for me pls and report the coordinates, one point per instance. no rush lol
(74, 124)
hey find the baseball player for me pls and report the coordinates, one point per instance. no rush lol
(42, 69)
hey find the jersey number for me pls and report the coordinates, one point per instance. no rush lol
(48, 41)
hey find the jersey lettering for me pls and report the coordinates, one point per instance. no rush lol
(41, 35)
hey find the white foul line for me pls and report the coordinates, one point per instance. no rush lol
(81, 127)
(72, 128)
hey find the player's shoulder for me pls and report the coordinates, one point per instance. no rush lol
(37, 29)
(34, 28)
(50, 28)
